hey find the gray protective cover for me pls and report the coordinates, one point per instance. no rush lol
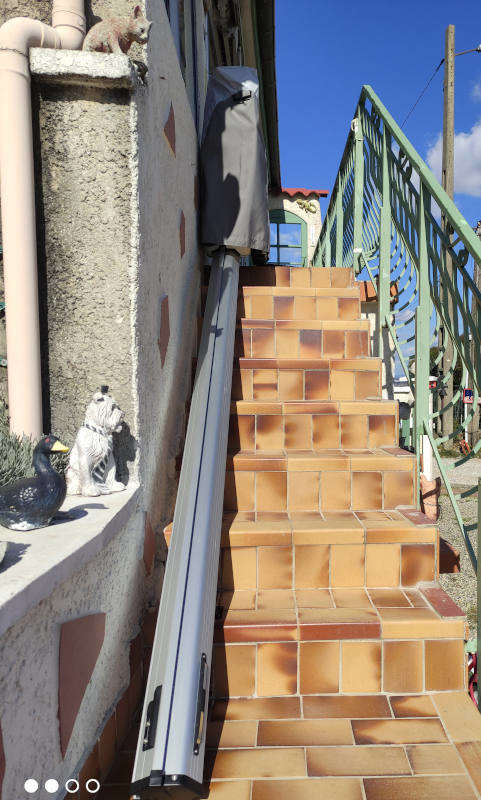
(233, 163)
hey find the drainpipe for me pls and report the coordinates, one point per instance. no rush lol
(17, 198)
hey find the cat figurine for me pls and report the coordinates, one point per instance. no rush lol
(116, 34)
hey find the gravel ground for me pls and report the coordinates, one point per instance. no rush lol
(467, 473)
(461, 586)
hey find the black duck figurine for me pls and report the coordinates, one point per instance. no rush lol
(31, 503)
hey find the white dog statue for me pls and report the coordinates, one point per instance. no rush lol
(91, 469)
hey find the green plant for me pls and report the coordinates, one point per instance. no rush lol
(16, 454)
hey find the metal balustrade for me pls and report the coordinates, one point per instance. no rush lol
(389, 217)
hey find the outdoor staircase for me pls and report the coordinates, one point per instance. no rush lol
(338, 667)
(332, 638)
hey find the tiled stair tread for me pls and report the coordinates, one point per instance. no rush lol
(253, 529)
(248, 323)
(301, 291)
(345, 407)
(365, 363)
(335, 615)
(305, 460)
(296, 276)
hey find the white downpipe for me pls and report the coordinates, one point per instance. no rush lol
(17, 198)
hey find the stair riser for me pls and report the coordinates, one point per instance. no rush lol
(290, 668)
(297, 277)
(283, 342)
(298, 306)
(327, 566)
(257, 383)
(311, 431)
(317, 490)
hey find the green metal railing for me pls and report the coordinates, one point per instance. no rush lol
(390, 219)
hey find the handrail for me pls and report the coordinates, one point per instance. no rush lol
(170, 751)
(383, 220)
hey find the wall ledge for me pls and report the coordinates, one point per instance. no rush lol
(102, 70)
(36, 562)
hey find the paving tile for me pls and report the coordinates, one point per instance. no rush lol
(303, 495)
(441, 602)
(239, 568)
(398, 731)
(367, 490)
(470, 752)
(275, 598)
(403, 667)
(276, 669)
(328, 761)
(389, 598)
(417, 623)
(313, 598)
(311, 566)
(418, 788)
(242, 600)
(434, 759)
(347, 565)
(232, 734)
(413, 706)
(234, 669)
(275, 568)
(382, 565)
(336, 490)
(445, 665)
(361, 667)
(229, 790)
(304, 732)
(338, 623)
(460, 716)
(257, 626)
(257, 708)
(319, 667)
(314, 789)
(349, 706)
(260, 763)
(417, 563)
(351, 598)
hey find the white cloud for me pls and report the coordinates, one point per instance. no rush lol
(476, 91)
(467, 160)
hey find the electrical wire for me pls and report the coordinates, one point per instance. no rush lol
(462, 53)
(423, 92)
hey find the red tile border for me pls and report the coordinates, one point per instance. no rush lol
(2, 761)
(164, 329)
(81, 641)
(169, 129)
(441, 602)
(182, 234)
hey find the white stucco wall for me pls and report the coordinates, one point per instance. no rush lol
(313, 220)
(112, 583)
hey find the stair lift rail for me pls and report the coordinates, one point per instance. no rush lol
(170, 752)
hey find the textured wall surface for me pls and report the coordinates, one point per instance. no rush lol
(83, 212)
(166, 205)
(113, 583)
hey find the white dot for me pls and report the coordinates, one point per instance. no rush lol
(30, 785)
(72, 786)
(92, 786)
(51, 785)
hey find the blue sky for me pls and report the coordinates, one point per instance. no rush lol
(326, 50)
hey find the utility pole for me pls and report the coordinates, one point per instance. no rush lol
(474, 433)
(448, 186)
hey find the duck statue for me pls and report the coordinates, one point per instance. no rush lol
(31, 503)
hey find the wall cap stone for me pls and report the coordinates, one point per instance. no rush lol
(36, 562)
(103, 70)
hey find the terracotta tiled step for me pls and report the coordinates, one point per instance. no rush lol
(302, 338)
(306, 379)
(267, 302)
(314, 277)
(320, 425)
(379, 747)
(308, 480)
(326, 642)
